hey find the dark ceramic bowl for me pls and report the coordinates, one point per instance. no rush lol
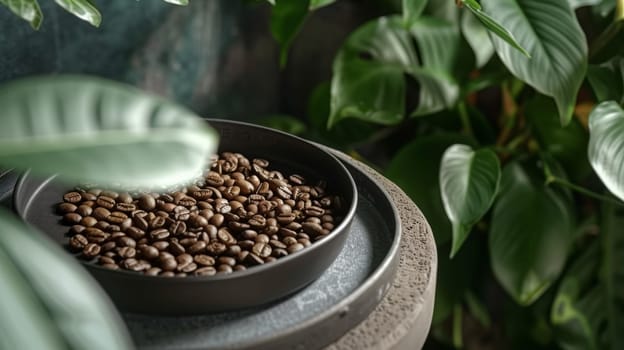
(35, 201)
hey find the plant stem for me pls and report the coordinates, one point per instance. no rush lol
(457, 326)
(509, 112)
(554, 179)
(465, 118)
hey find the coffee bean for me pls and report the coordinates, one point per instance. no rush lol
(181, 213)
(125, 207)
(215, 248)
(224, 269)
(205, 271)
(159, 234)
(285, 219)
(91, 250)
(187, 201)
(225, 236)
(147, 202)
(277, 244)
(184, 260)
(64, 208)
(161, 245)
(103, 260)
(279, 252)
(214, 179)
(105, 202)
(306, 242)
(176, 248)
(140, 223)
(202, 194)
(72, 197)
(76, 229)
(187, 242)
(72, 218)
(204, 260)
(178, 227)
(110, 245)
(253, 259)
(153, 271)
(198, 247)
(289, 240)
(168, 264)
(149, 252)
(127, 252)
(88, 221)
(157, 222)
(135, 233)
(101, 213)
(262, 250)
(78, 242)
(110, 194)
(96, 235)
(111, 266)
(312, 228)
(295, 248)
(116, 217)
(167, 274)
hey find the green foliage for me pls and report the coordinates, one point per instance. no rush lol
(30, 11)
(287, 17)
(562, 283)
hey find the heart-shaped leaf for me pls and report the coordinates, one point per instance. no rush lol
(606, 141)
(468, 183)
(550, 32)
(412, 9)
(477, 37)
(82, 9)
(94, 130)
(28, 10)
(530, 235)
(416, 169)
(49, 301)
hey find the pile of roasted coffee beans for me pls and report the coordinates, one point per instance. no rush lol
(239, 214)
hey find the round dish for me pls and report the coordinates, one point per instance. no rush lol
(35, 201)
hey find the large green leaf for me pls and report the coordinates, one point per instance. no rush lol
(606, 142)
(82, 9)
(607, 80)
(477, 37)
(438, 43)
(550, 32)
(287, 17)
(285, 123)
(564, 143)
(493, 26)
(28, 10)
(416, 168)
(48, 301)
(530, 235)
(468, 181)
(412, 9)
(94, 130)
(368, 80)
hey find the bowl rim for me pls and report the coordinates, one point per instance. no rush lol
(342, 228)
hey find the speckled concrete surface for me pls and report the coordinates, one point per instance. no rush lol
(402, 320)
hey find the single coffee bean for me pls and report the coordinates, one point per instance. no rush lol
(111, 194)
(72, 218)
(102, 260)
(84, 210)
(153, 271)
(72, 197)
(101, 213)
(76, 229)
(224, 269)
(295, 226)
(205, 271)
(279, 252)
(168, 264)
(64, 208)
(262, 250)
(216, 248)
(111, 266)
(149, 252)
(159, 234)
(125, 207)
(239, 268)
(78, 242)
(91, 250)
(96, 235)
(295, 248)
(129, 263)
(233, 250)
(161, 245)
(202, 194)
(204, 260)
(285, 219)
(88, 221)
(108, 246)
(262, 238)
(124, 198)
(157, 222)
(198, 221)
(277, 244)
(187, 201)
(102, 225)
(126, 241)
(116, 217)
(147, 202)
(167, 274)
(140, 223)
(289, 240)
(225, 236)
(187, 242)
(181, 213)
(284, 232)
(135, 233)
(253, 259)
(197, 248)
(304, 241)
(86, 196)
(176, 248)
(106, 202)
(184, 260)
(126, 252)
(188, 268)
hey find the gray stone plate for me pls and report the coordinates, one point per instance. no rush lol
(317, 315)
